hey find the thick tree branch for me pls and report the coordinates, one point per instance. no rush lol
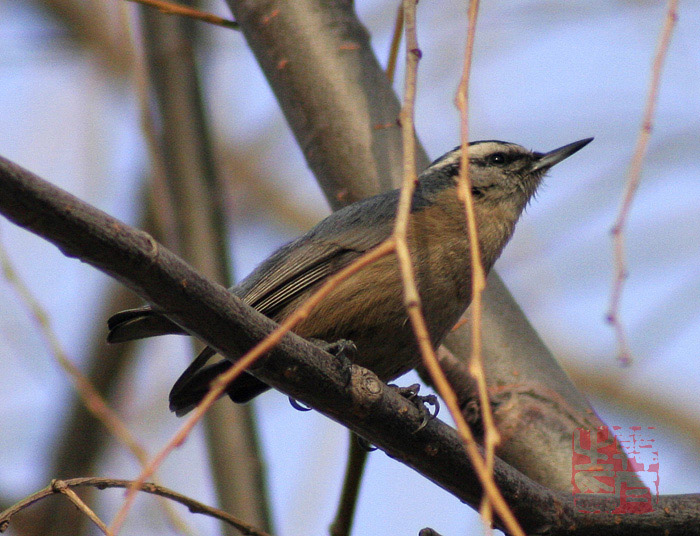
(302, 370)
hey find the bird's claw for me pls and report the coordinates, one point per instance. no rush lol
(342, 348)
(364, 444)
(410, 393)
(344, 351)
(298, 405)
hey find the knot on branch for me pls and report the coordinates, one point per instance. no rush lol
(365, 389)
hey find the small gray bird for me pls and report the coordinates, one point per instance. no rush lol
(368, 307)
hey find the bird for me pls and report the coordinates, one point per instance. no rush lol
(368, 307)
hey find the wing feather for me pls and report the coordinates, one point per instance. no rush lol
(327, 248)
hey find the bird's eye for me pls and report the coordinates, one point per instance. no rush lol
(497, 159)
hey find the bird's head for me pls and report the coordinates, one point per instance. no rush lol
(502, 172)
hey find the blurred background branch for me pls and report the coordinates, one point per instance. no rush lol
(197, 191)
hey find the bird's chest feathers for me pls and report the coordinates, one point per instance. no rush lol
(440, 250)
(495, 227)
(439, 244)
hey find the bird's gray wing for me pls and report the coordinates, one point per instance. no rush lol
(330, 246)
(289, 272)
(298, 272)
(294, 272)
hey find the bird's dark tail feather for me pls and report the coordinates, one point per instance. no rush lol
(194, 384)
(139, 324)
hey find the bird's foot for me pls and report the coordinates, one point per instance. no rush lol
(298, 405)
(344, 351)
(410, 393)
(364, 444)
(342, 348)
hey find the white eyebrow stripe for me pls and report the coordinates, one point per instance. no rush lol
(479, 150)
(450, 158)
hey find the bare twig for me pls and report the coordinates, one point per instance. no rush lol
(357, 458)
(169, 8)
(62, 487)
(476, 365)
(635, 172)
(395, 42)
(65, 486)
(412, 298)
(88, 394)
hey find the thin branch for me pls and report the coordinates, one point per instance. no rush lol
(169, 8)
(464, 192)
(357, 459)
(634, 178)
(92, 400)
(395, 42)
(64, 486)
(411, 297)
(88, 394)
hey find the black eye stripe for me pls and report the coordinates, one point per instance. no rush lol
(481, 162)
(451, 169)
(497, 159)
(450, 165)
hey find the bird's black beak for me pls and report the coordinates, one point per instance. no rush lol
(547, 160)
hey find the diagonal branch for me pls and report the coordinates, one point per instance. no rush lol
(171, 8)
(635, 177)
(301, 369)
